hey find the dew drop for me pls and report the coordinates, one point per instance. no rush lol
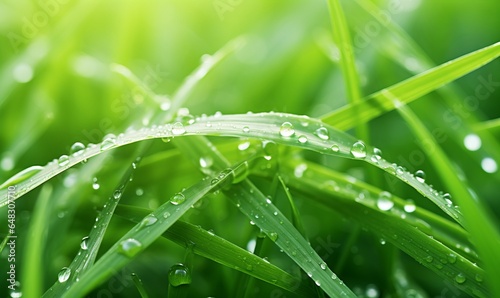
(206, 162)
(322, 133)
(77, 149)
(302, 139)
(117, 194)
(130, 247)
(452, 258)
(95, 185)
(63, 160)
(429, 259)
(179, 275)
(420, 176)
(149, 220)
(246, 129)
(460, 278)
(177, 199)
(166, 214)
(108, 143)
(64, 274)
(489, 165)
(85, 243)
(273, 236)
(410, 207)
(178, 129)
(323, 266)
(334, 276)
(384, 201)
(358, 150)
(243, 146)
(286, 130)
(318, 283)
(299, 170)
(335, 148)
(479, 278)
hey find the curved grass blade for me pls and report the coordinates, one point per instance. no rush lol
(145, 233)
(411, 89)
(140, 286)
(90, 244)
(217, 249)
(448, 263)
(293, 130)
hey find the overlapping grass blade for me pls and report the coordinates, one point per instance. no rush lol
(216, 248)
(411, 89)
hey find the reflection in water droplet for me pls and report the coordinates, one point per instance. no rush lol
(179, 275)
(64, 274)
(358, 150)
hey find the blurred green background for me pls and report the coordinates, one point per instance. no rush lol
(57, 87)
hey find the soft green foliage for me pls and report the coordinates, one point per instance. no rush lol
(236, 173)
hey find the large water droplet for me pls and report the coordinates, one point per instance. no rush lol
(63, 160)
(64, 274)
(420, 176)
(77, 149)
(286, 129)
(358, 150)
(178, 129)
(472, 142)
(322, 133)
(384, 201)
(149, 220)
(177, 199)
(179, 275)
(85, 243)
(460, 278)
(109, 142)
(130, 247)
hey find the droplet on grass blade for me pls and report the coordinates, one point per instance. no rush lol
(85, 243)
(384, 201)
(77, 149)
(130, 247)
(64, 274)
(286, 129)
(322, 133)
(358, 150)
(63, 160)
(177, 199)
(178, 129)
(109, 142)
(179, 275)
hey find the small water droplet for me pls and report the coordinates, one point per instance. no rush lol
(166, 214)
(322, 133)
(64, 274)
(460, 278)
(286, 129)
(384, 201)
(246, 129)
(149, 220)
(206, 162)
(117, 194)
(109, 142)
(318, 283)
(85, 243)
(95, 185)
(420, 176)
(77, 149)
(178, 129)
(130, 247)
(452, 258)
(429, 259)
(334, 276)
(243, 146)
(177, 199)
(63, 160)
(273, 236)
(410, 206)
(323, 266)
(358, 150)
(335, 148)
(479, 278)
(302, 139)
(179, 275)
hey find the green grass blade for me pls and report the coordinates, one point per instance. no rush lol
(411, 89)
(477, 218)
(143, 234)
(140, 286)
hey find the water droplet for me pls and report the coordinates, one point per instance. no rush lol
(420, 176)
(149, 220)
(246, 129)
(206, 162)
(286, 129)
(452, 258)
(178, 129)
(472, 142)
(479, 278)
(85, 243)
(358, 150)
(130, 247)
(335, 148)
(489, 165)
(322, 133)
(429, 259)
(273, 236)
(382, 241)
(302, 139)
(177, 199)
(318, 283)
(166, 214)
(77, 149)
(323, 266)
(460, 278)
(63, 160)
(179, 275)
(243, 146)
(372, 291)
(384, 201)
(95, 185)
(109, 142)
(64, 274)
(334, 276)
(377, 155)
(299, 170)
(410, 206)
(117, 194)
